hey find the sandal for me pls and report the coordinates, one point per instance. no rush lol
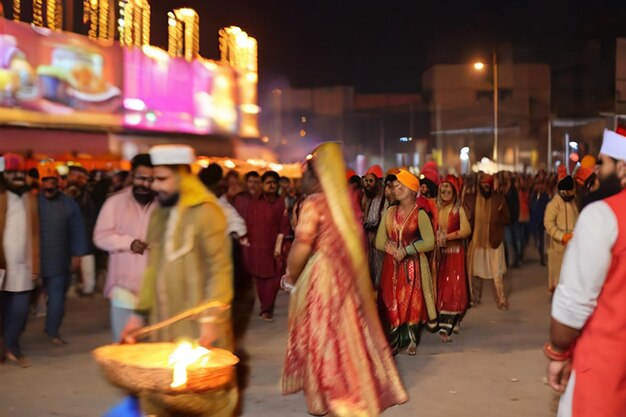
(20, 360)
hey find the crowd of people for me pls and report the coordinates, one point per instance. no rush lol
(370, 260)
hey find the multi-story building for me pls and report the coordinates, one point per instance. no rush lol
(461, 103)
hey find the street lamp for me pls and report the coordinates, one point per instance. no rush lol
(479, 66)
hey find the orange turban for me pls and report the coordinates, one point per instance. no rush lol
(409, 180)
(47, 170)
(588, 161)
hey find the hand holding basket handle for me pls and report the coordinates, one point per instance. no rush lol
(135, 328)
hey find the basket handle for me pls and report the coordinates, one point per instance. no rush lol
(211, 305)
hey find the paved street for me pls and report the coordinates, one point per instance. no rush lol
(494, 368)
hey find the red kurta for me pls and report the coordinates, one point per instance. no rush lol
(452, 286)
(600, 352)
(265, 221)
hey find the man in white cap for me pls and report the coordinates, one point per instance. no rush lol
(189, 259)
(588, 329)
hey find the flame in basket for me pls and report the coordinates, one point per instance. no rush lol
(185, 355)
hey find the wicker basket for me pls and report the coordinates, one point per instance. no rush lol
(144, 367)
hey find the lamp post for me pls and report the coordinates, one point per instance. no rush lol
(479, 66)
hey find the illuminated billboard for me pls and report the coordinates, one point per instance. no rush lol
(60, 79)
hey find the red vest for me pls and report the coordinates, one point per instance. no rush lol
(600, 353)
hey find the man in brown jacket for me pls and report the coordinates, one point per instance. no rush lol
(489, 215)
(19, 254)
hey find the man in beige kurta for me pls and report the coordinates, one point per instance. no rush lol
(559, 221)
(486, 260)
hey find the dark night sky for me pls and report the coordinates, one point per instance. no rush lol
(385, 46)
(381, 46)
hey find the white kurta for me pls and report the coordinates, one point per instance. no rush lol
(17, 245)
(585, 265)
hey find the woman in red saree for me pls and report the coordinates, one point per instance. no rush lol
(406, 287)
(336, 351)
(454, 228)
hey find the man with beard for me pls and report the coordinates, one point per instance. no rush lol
(588, 327)
(189, 254)
(63, 242)
(121, 230)
(606, 172)
(488, 217)
(19, 255)
(372, 204)
(189, 264)
(559, 221)
(77, 180)
(267, 223)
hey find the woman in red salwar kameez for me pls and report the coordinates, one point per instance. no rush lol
(406, 287)
(337, 351)
(452, 285)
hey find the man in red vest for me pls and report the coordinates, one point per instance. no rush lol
(587, 347)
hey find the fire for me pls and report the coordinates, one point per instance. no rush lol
(185, 355)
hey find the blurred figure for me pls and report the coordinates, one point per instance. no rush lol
(559, 221)
(512, 231)
(372, 204)
(406, 289)
(486, 260)
(118, 181)
(521, 183)
(267, 223)
(537, 203)
(233, 185)
(19, 255)
(121, 230)
(63, 242)
(588, 328)
(390, 196)
(452, 281)
(344, 342)
(77, 181)
(586, 180)
(32, 179)
(429, 180)
(243, 299)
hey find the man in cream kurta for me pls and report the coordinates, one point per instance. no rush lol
(19, 256)
(559, 221)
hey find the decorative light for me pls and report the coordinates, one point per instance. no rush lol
(38, 13)
(250, 108)
(183, 33)
(238, 49)
(17, 10)
(229, 164)
(135, 30)
(97, 13)
(479, 66)
(53, 13)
